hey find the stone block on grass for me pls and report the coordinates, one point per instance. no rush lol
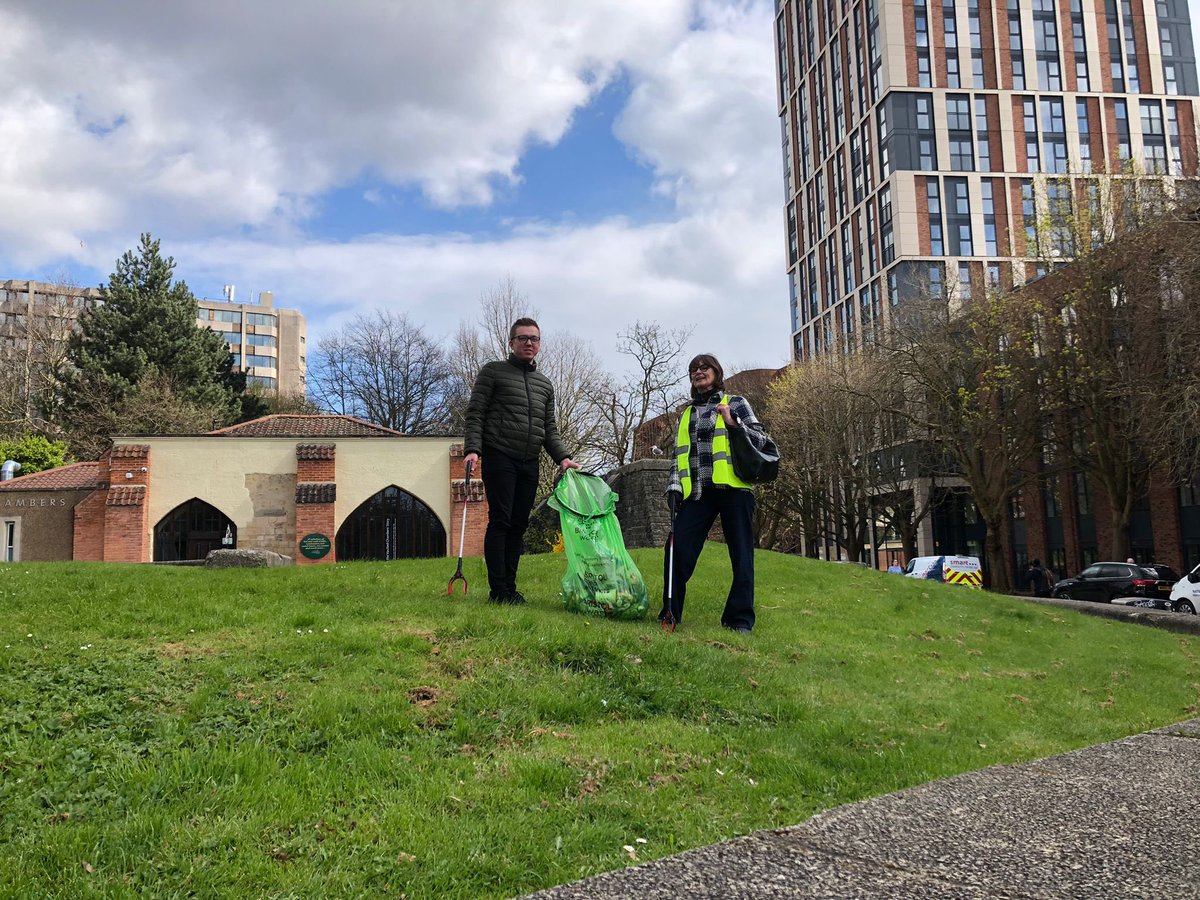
(245, 559)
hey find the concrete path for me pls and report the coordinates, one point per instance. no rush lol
(1119, 820)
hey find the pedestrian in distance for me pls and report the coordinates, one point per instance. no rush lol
(1037, 579)
(704, 486)
(895, 569)
(510, 421)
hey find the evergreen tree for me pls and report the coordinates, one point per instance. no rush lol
(143, 332)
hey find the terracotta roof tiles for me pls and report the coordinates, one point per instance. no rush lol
(323, 426)
(75, 477)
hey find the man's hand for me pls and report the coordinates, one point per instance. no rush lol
(569, 463)
(727, 415)
(470, 463)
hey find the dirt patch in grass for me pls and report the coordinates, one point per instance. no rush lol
(180, 650)
(424, 696)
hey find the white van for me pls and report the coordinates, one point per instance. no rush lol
(964, 570)
(1185, 595)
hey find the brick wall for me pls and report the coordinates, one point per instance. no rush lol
(316, 498)
(89, 527)
(475, 503)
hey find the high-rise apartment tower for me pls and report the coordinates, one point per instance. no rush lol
(924, 140)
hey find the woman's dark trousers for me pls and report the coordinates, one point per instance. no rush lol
(510, 485)
(692, 523)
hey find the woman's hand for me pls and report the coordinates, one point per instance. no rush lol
(727, 415)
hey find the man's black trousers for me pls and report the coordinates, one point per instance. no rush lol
(510, 485)
(692, 524)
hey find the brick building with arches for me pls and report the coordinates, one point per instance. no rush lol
(316, 488)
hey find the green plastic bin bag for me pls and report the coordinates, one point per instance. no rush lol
(601, 578)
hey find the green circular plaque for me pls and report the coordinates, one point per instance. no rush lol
(314, 546)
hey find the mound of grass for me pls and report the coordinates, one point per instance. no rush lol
(348, 730)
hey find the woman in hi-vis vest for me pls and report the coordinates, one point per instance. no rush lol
(704, 486)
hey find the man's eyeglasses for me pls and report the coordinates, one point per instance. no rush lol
(527, 339)
(700, 367)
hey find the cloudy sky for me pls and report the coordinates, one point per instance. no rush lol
(619, 159)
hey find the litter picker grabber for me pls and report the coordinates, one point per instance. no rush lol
(462, 536)
(669, 622)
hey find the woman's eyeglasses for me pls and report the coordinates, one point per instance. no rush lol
(700, 367)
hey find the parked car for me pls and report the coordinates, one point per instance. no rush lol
(1104, 582)
(1185, 596)
(964, 570)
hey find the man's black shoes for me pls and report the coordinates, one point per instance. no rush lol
(511, 598)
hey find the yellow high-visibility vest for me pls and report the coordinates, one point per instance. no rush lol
(722, 461)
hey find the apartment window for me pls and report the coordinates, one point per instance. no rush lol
(886, 235)
(10, 541)
(1015, 47)
(1085, 136)
(1053, 504)
(921, 26)
(1045, 40)
(976, 42)
(1113, 33)
(936, 287)
(1029, 214)
(227, 315)
(964, 281)
(1131, 56)
(1124, 146)
(1154, 141)
(835, 71)
(934, 207)
(793, 235)
(958, 123)
(261, 319)
(1059, 208)
(1032, 153)
(1079, 44)
(983, 139)
(847, 258)
(261, 340)
(989, 218)
(1054, 135)
(1083, 495)
(1173, 142)
(959, 217)
(252, 359)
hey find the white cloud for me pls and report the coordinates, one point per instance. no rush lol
(207, 120)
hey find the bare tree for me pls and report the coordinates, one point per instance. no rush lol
(970, 368)
(652, 387)
(385, 369)
(34, 358)
(153, 406)
(1119, 329)
(568, 361)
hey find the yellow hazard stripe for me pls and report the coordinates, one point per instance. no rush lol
(971, 579)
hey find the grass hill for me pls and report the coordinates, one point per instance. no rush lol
(348, 730)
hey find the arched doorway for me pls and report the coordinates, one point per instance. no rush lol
(391, 525)
(191, 530)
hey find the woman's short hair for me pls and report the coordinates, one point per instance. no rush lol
(707, 359)
(523, 322)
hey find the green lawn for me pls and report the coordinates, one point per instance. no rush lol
(349, 730)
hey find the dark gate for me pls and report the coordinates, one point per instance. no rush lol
(391, 525)
(191, 530)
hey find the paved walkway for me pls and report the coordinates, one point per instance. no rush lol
(1119, 820)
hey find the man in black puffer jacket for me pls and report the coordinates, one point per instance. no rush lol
(510, 419)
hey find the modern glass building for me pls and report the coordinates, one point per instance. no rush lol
(924, 140)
